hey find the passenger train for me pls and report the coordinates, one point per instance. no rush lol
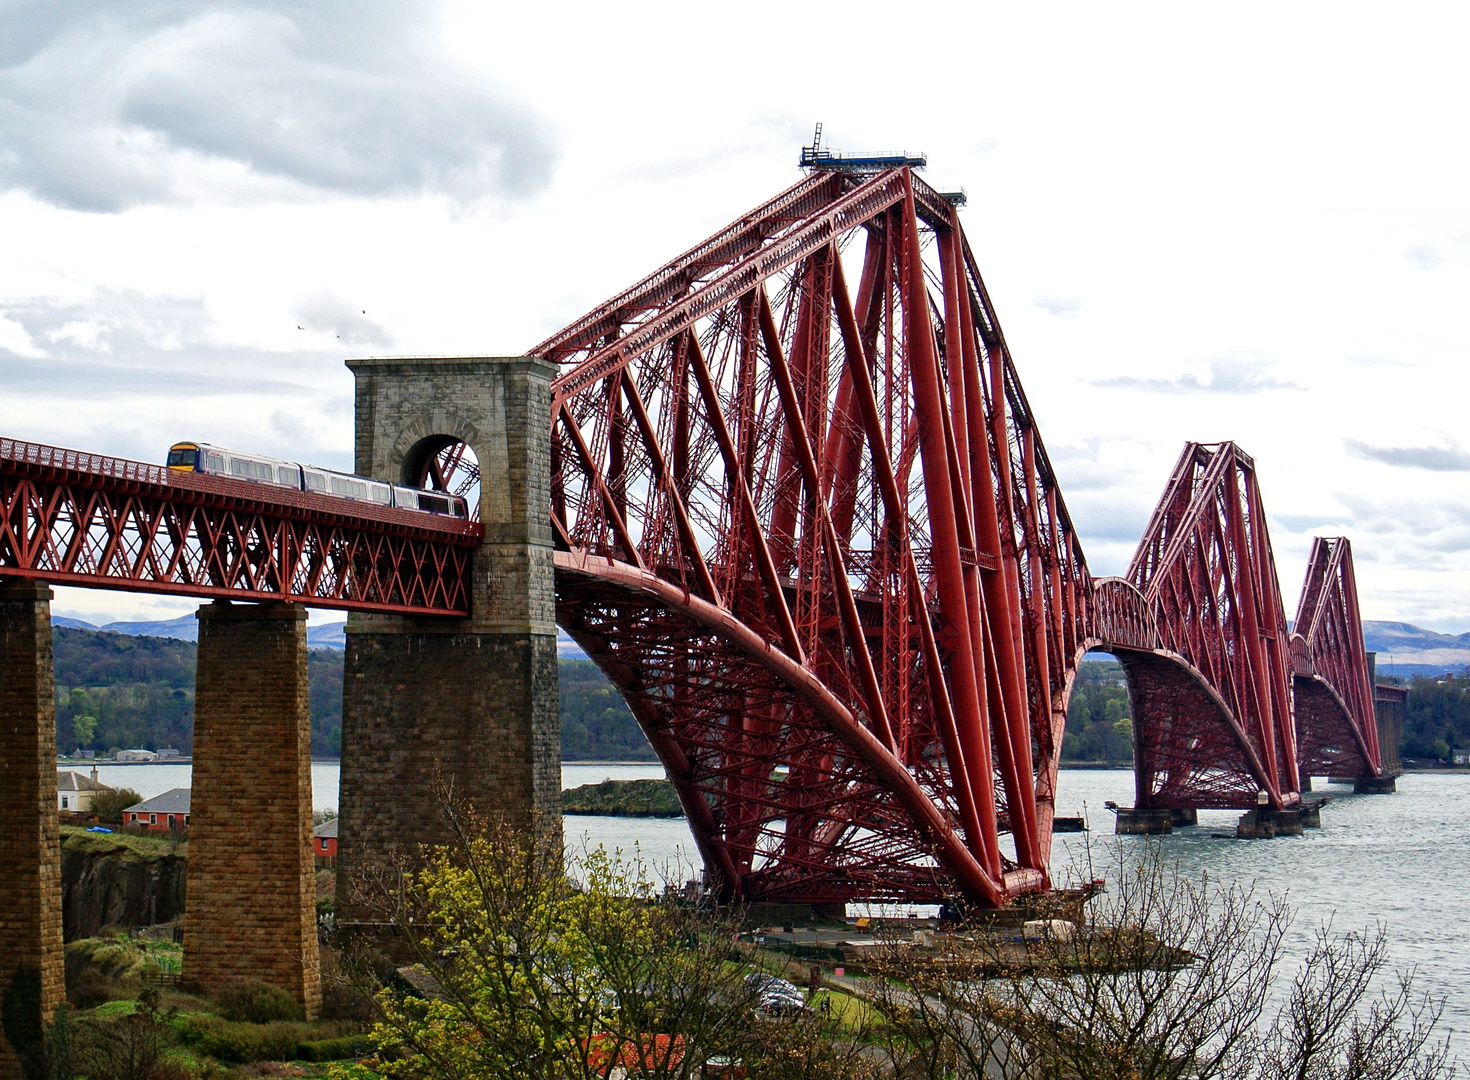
(217, 461)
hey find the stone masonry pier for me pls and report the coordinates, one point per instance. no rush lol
(251, 894)
(469, 703)
(31, 974)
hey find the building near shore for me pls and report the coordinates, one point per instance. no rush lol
(324, 840)
(162, 813)
(136, 755)
(75, 792)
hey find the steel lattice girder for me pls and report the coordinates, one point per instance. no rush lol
(1336, 729)
(1212, 703)
(71, 518)
(813, 535)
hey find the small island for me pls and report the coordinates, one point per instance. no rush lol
(623, 798)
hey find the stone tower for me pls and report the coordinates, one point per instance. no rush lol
(473, 702)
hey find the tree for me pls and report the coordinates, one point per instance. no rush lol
(530, 963)
(1167, 978)
(109, 805)
(530, 975)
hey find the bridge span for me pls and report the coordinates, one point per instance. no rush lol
(788, 492)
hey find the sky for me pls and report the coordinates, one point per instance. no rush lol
(1196, 222)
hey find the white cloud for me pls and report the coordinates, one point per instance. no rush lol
(112, 106)
(14, 338)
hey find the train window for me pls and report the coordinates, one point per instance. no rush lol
(316, 482)
(435, 504)
(215, 463)
(341, 485)
(289, 474)
(381, 494)
(239, 467)
(459, 508)
(182, 455)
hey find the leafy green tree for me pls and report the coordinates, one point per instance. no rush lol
(533, 975)
(83, 729)
(109, 805)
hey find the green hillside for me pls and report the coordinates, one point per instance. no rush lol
(117, 691)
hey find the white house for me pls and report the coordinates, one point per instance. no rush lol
(75, 792)
(136, 755)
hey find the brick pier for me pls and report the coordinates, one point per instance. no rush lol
(469, 701)
(251, 901)
(31, 975)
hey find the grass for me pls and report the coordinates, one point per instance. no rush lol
(128, 845)
(121, 957)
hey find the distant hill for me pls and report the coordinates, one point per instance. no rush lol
(1414, 649)
(318, 636)
(119, 688)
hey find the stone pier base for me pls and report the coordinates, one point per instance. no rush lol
(1184, 816)
(1374, 785)
(1264, 823)
(429, 717)
(251, 901)
(1144, 821)
(31, 974)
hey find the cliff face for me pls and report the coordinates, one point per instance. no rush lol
(117, 887)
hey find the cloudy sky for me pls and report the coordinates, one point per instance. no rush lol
(1198, 222)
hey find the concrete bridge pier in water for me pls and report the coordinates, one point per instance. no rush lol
(472, 702)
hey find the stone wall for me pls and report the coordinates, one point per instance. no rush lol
(252, 880)
(31, 964)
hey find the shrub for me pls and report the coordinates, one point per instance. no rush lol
(348, 1046)
(239, 1041)
(132, 1045)
(109, 805)
(256, 1002)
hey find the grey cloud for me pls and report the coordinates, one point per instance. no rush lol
(333, 315)
(1226, 377)
(105, 106)
(126, 345)
(1058, 305)
(1424, 256)
(1435, 458)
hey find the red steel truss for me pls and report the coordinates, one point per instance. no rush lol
(79, 519)
(1212, 698)
(811, 532)
(807, 526)
(1336, 732)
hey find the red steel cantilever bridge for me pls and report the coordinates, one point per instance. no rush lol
(806, 524)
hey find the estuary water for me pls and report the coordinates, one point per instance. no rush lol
(1402, 860)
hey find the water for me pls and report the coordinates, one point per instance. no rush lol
(1402, 860)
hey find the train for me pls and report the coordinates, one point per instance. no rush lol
(258, 469)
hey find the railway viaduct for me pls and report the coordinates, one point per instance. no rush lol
(811, 533)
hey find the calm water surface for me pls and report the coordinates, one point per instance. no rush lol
(1402, 860)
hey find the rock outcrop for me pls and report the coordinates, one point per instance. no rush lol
(108, 883)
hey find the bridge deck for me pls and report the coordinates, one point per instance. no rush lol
(73, 518)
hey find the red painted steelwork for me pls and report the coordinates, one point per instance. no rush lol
(812, 534)
(71, 518)
(1336, 729)
(1212, 702)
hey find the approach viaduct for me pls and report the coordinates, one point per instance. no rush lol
(811, 533)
